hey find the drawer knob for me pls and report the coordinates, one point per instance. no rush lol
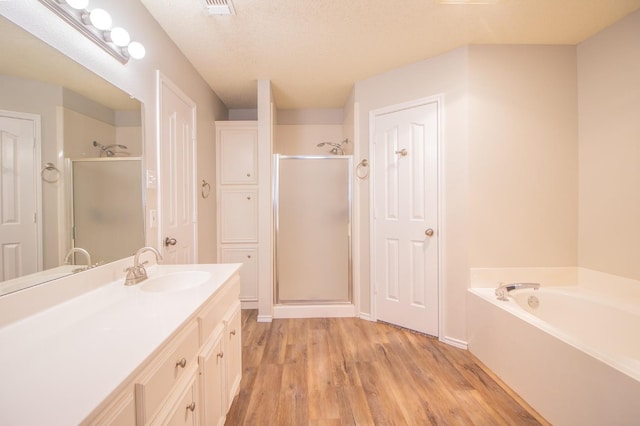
(182, 363)
(191, 407)
(232, 332)
(248, 198)
(220, 354)
(248, 174)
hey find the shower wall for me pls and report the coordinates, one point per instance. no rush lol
(302, 139)
(313, 229)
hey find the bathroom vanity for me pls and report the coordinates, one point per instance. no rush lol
(165, 351)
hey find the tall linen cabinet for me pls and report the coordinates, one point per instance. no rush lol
(237, 193)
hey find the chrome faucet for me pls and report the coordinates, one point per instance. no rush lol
(137, 273)
(67, 258)
(503, 289)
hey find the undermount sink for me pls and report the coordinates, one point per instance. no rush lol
(175, 281)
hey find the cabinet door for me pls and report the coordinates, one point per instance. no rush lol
(233, 349)
(212, 389)
(238, 156)
(239, 216)
(248, 273)
(185, 411)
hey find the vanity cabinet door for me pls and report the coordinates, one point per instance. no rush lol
(233, 349)
(238, 149)
(239, 216)
(185, 410)
(164, 374)
(248, 256)
(211, 362)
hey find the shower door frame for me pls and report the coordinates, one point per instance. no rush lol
(70, 232)
(276, 222)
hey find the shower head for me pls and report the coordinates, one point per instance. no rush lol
(105, 147)
(105, 150)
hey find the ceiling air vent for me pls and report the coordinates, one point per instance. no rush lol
(218, 7)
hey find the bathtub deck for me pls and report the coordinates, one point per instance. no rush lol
(351, 371)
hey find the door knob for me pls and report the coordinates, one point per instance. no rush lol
(169, 242)
(429, 232)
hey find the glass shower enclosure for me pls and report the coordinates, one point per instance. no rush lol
(312, 210)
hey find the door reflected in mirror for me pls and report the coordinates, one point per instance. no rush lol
(55, 113)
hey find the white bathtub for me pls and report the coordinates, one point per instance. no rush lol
(575, 358)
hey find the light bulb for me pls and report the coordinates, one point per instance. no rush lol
(100, 19)
(119, 36)
(136, 50)
(77, 4)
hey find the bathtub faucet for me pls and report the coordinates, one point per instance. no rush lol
(503, 289)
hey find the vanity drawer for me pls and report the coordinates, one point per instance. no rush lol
(178, 360)
(213, 312)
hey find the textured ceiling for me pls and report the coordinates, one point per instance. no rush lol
(313, 51)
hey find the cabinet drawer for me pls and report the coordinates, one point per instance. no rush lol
(213, 313)
(176, 361)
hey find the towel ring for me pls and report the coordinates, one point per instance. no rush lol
(206, 189)
(363, 164)
(49, 167)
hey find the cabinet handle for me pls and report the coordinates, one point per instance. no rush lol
(220, 354)
(182, 363)
(248, 256)
(191, 407)
(232, 332)
(248, 174)
(248, 198)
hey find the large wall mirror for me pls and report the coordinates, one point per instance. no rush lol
(71, 157)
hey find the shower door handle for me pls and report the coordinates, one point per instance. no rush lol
(170, 242)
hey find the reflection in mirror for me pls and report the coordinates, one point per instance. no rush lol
(70, 116)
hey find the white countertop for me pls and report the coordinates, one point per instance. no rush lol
(59, 364)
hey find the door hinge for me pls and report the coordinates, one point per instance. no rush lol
(35, 217)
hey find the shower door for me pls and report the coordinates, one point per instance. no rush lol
(107, 207)
(313, 229)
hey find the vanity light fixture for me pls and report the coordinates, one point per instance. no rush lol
(96, 25)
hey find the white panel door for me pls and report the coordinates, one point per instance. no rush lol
(18, 190)
(405, 218)
(178, 224)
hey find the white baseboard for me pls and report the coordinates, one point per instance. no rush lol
(249, 304)
(366, 317)
(264, 318)
(314, 311)
(455, 342)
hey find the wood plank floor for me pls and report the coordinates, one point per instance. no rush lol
(347, 371)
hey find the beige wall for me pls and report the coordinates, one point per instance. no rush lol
(509, 160)
(138, 78)
(447, 75)
(523, 150)
(609, 127)
(80, 131)
(301, 139)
